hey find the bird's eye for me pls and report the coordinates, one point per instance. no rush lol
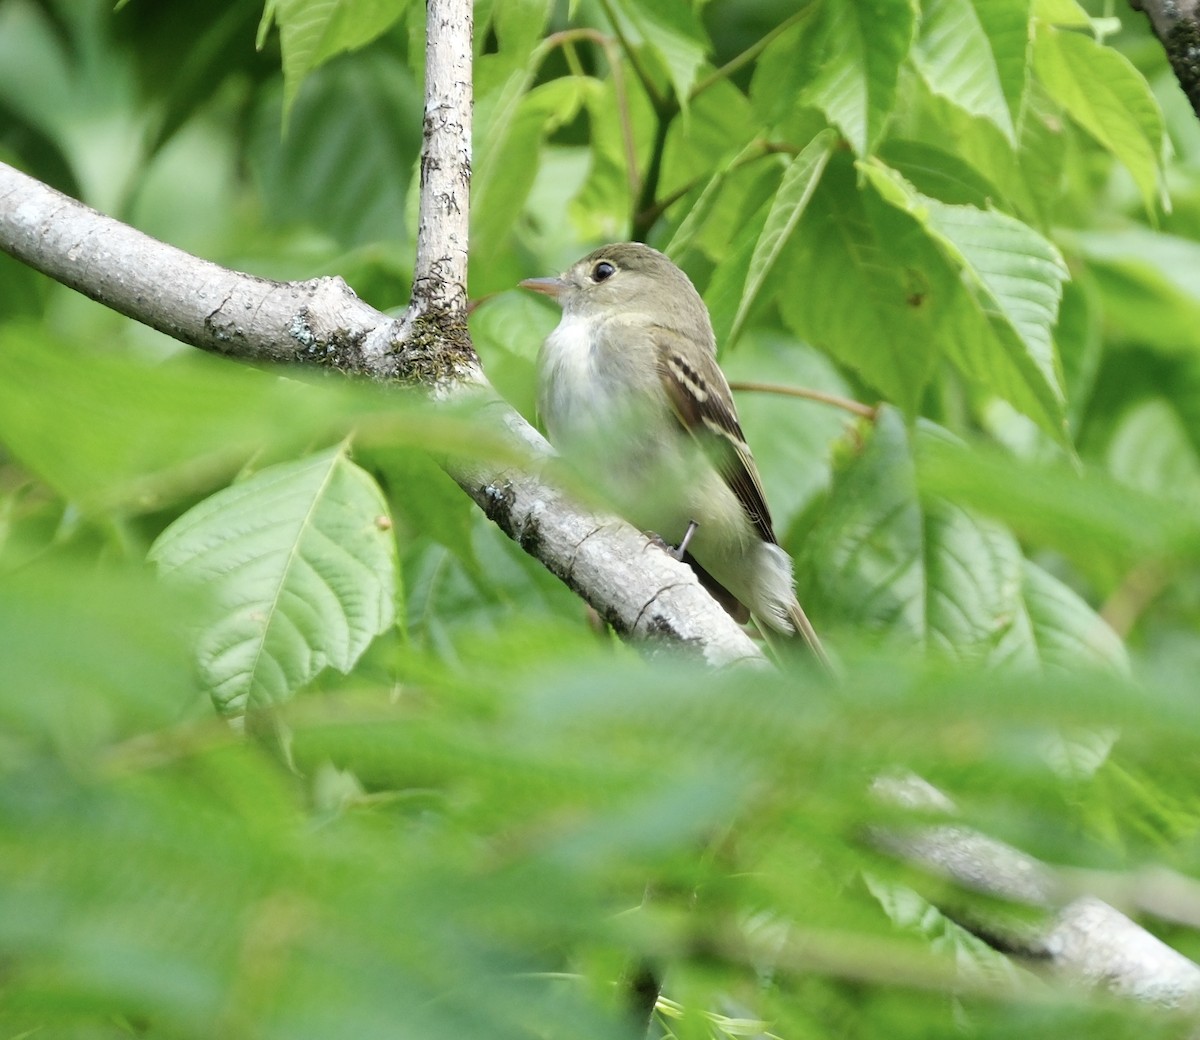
(602, 271)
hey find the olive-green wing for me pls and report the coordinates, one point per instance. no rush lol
(701, 399)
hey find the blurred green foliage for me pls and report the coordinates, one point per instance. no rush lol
(439, 804)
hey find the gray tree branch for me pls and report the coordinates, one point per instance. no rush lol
(440, 271)
(1079, 938)
(1176, 23)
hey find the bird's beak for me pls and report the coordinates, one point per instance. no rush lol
(551, 287)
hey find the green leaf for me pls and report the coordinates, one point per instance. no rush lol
(1103, 92)
(720, 122)
(349, 155)
(864, 282)
(519, 24)
(980, 150)
(1047, 141)
(973, 958)
(79, 677)
(865, 44)
(1015, 277)
(265, 23)
(1066, 13)
(509, 164)
(699, 211)
(1029, 181)
(110, 432)
(427, 501)
(313, 31)
(791, 438)
(782, 71)
(1079, 337)
(602, 209)
(186, 57)
(999, 329)
(499, 91)
(724, 292)
(882, 561)
(925, 570)
(673, 33)
(507, 332)
(700, 205)
(1151, 450)
(1102, 526)
(982, 73)
(1009, 29)
(938, 173)
(1067, 634)
(302, 566)
(1150, 286)
(799, 182)
(452, 601)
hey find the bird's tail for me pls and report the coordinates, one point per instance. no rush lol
(804, 627)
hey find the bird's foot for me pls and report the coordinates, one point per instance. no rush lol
(687, 539)
(679, 550)
(659, 542)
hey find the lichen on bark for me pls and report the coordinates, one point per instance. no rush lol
(1183, 51)
(437, 349)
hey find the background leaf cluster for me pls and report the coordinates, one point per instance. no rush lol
(440, 803)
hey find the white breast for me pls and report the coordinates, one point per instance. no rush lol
(575, 404)
(601, 410)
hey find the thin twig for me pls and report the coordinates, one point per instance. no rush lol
(565, 39)
(750, 53)
(657, 99)
(647, 208)
(845, 403)
(644, 205)
(665, 107)
(648, 217)
(631, 170)
(1139, 588)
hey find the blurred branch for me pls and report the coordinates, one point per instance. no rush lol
(1081, 939)
(1138, 589)
(1176, 23)
(1156, 890)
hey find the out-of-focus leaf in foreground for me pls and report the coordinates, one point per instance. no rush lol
(883, 559)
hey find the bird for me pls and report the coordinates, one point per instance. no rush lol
(630, 391)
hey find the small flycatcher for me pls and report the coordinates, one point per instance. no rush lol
(630, 391)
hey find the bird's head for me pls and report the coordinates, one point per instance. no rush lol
(624, 278)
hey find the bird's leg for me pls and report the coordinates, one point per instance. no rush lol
(678, 551)
(687, 538)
